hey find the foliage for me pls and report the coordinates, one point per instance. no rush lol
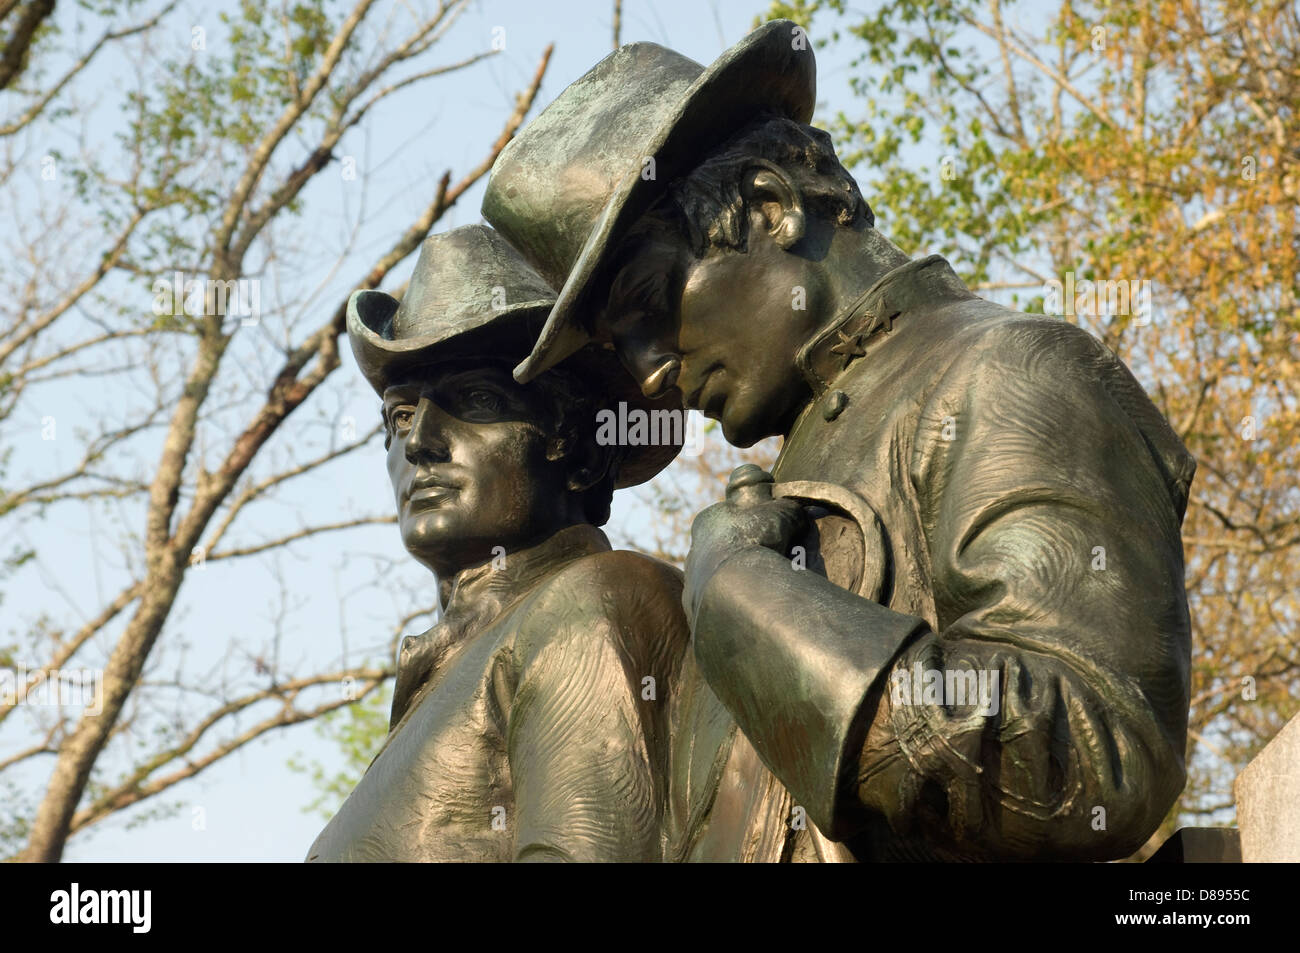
(1150, 142)
(358, 731)
(199, 150)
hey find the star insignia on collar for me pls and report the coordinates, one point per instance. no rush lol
(850, 347)
(884, 321)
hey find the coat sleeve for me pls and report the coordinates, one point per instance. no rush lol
(1057, 574)
(583, 741)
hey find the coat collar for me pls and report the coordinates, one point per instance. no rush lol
(476, 598)
(920, 283)
(482, 592)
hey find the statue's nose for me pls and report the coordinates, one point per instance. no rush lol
(659, 375)
(427, 440)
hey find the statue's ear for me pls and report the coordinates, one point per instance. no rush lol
(769, 192)
(589, 464)
(586, 463)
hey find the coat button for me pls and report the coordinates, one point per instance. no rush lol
(834, 403)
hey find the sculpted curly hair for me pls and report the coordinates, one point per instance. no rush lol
(708, 202)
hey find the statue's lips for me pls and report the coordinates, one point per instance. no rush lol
(711, 400)
(697, 395)
(430, 492)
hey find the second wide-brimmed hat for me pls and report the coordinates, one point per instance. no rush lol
(570, 185)
(474, 296)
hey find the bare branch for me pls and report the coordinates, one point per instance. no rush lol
(38, 107)
(1055, 75)
(261, 155)
(68, 649)
(282, 541)
(258, 489)
(166, 555)
(106, 263)
(134, 789)
(14, 53)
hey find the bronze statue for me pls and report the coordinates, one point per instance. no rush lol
(955, 624)
(530, 723)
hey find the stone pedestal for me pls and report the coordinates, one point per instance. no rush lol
(1268, 800)
(1200, 845)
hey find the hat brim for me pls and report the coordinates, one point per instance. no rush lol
(508, 334)
(381, 359)
(764, 72)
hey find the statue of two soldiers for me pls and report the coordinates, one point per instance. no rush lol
(944, 671)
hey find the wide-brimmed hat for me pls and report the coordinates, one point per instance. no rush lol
(570, 185)
(473, 296)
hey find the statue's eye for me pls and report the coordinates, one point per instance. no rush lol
(481, 399)
(401, 417)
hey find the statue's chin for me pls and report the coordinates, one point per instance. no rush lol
(741, 430)
(447, 550)
(432, 540)
(750, 417)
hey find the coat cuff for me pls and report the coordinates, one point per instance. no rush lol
(795, 658)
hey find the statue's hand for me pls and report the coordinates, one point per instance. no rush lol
(747, 518)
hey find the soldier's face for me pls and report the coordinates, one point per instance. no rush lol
(733, 321)
(468, 459)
